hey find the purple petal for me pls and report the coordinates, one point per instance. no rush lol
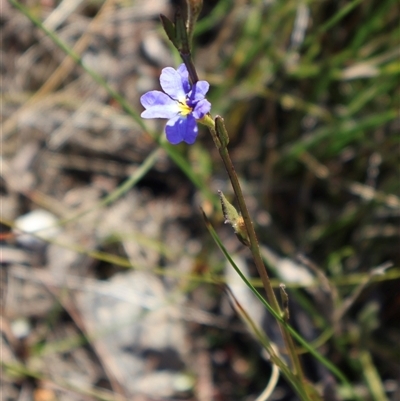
(181, 129)
(183, 72)
(199, 91)
(172, 84)
(158, 105)
(201, 109)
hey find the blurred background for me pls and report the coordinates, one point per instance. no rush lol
(113, 295)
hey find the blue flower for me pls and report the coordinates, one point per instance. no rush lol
(181, 103)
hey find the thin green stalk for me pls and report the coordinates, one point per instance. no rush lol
(255, 250)
(187, 59)
(328, 364)
(135, 177)
(183, 45)
(293, 379)
(221, 144)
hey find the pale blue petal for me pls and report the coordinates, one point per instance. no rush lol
(181, 129)
(171, 82)
(199, 91)
(158, 105)
(183, 72)
(201, 109)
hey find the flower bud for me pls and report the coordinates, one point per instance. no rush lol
(234, 219)
(193, 11)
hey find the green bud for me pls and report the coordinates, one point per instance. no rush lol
(222, 133)
(176, 32)
(169, 28)
(194, 8)
(285, 302)
(181, 36)
(234, 219)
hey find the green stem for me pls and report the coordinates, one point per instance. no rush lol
(255, 250)
(254, 247)
(187, 59)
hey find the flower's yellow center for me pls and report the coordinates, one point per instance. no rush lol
(184, 109)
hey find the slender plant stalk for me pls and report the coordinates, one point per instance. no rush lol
(254, 247)
(186, 56)
(295, 381)
(255, 250)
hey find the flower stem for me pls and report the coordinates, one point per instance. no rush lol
(187, 59)
(254, 247)
(255, 250)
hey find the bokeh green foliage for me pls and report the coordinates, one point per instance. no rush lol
(314, 133)
(322, 111)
